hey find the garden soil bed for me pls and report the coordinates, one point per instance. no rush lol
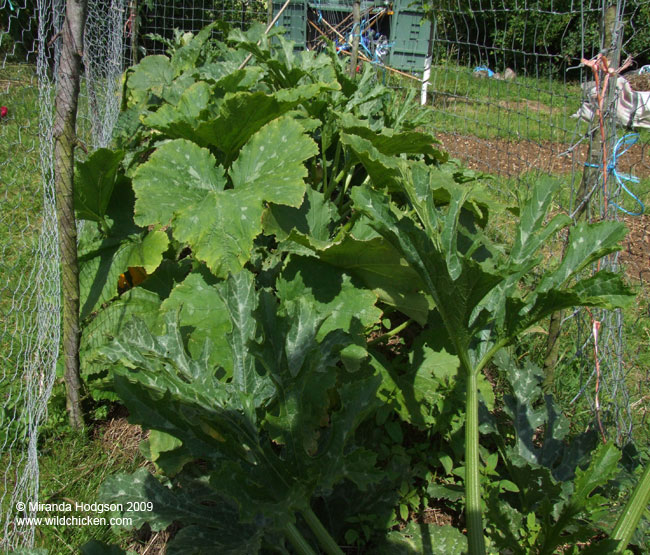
(514, 158)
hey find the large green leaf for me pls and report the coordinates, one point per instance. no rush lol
(240, 300)
(272, 163)
(587, 243)
(378, 265)
(425, 538)
(531, 234)
(358, 401)
(184, 120)
(229, 123)
(94, 182)
(101, 268)
(390, 142)
(186, 57)
(603, 289)
(382, 269)
(313, 218)
(545, 455)
(456, 290)
(165, 452)
(152, 74)
(304, 418)
(209, 520)
(221, 229)
(178, 174)
(167, 390)
(334, 294)
(602, 468)
(220, 225)
(240, 116)
(418, 392)
(436, 185)
(382, 169)
(202, 317)
(110, 322)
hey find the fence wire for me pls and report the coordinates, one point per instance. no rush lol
(29, 288)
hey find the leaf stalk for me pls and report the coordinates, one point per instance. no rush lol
(322, 535)
(636, 505)
(475, 540)
(300, 544)
(391, 333)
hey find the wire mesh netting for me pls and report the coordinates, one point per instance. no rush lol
(29, 289)
(161, 19)
(504, 84)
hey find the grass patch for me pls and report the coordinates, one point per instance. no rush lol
(73, 466)
(526, 108)
(20, 191)
(20, 224)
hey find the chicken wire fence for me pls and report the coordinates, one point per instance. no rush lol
(503, 80)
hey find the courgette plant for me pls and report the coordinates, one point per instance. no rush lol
(277, 211)
(242, 351)
(476, 286)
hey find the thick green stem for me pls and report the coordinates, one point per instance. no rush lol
(629, 519)
(299, 543)
(476, 543)
(323, 163)
(391, 333)
(322, 535)
(337, 156)
(552, 349)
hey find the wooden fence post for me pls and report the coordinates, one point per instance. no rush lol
(611, 45)
(356, 32)
(65, 138)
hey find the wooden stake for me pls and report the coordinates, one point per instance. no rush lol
(356, 35)
(65, 140)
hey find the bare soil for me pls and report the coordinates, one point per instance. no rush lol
(635, 256)
(514, 158)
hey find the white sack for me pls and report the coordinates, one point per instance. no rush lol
(632, 107)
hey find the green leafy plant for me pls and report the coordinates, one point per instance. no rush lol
(208, 186)
(283, 214)
(475, 286)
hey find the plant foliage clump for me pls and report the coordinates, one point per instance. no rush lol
(256, 229)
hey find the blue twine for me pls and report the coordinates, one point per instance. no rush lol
(626, 141)
(11, 6)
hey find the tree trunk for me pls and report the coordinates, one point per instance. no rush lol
(65, 141)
